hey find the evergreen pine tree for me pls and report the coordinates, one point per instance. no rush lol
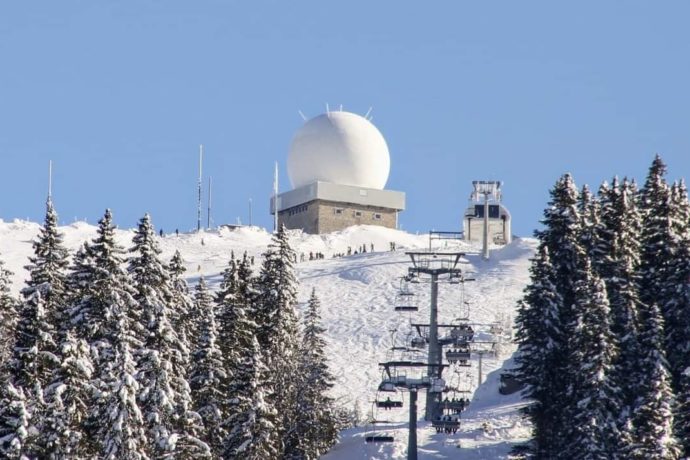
(676, 287)
(316, 427)
(48, 267)
(538, 337)
(8, 317)
(620, 260)
(107, 318)
(593, 398)
(562, 236)
(121, 426)
(69, 396)
(42, 320)
(207, 374)
(682, 418)
(252, 416)
(589, 209)
(164, 396)
(16, 431)
(658, 242)
(278, 332)
(653, 417)
(181, 316)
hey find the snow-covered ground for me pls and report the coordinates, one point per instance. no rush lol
(357, 295)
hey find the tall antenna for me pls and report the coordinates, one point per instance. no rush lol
(275, 198)
(198, 207)
(210, 185)
(50, 180)
(302, 115)
(250, 212)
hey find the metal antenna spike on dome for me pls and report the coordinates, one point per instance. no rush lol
(328, 110)
(341, 107)
(366, 115)
(302, 115)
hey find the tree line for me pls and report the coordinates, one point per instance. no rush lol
(604, 325)
(109, 354)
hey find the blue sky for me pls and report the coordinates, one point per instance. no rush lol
(120, 95)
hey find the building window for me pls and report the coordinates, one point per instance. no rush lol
(358, 213)
(338, 211)
(298, 209)
(377, 216)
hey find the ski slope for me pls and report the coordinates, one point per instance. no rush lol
(357, 295)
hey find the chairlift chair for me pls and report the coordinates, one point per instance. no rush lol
(377, 435)
(459, 356)
(406, 301)
(389, 404)
(446, 424)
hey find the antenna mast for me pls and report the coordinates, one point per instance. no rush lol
(198, 207)
(275, 198)
(210, 185)
(50, 180)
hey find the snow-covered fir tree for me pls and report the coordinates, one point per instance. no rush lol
(539, 337)
(34, 352)
(121, 427)
(42, 320)
(676, 288)
(589, 209)
(562, 236)
(618, 264)
(653, 415)
(316, 427)
(107, 318)
(181, 316)
(592, 396)
(252, 416)
(278, 331)
(68, 397)
(164, 396)
(682, 418)
(658, 237)
(16, 431)
(207, 376)
(8, 317)
(48, 268)
(103, 287)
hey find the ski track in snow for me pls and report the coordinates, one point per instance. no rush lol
(357, 295)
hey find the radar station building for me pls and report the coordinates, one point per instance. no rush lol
(485, 210)
(338, 165)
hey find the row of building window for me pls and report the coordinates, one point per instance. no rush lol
(297, 210)
(374, 216)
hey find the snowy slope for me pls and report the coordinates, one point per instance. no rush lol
(357, 295)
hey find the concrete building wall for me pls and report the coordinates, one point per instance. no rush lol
(321, 216)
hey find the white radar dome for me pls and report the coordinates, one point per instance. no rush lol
(341, 148)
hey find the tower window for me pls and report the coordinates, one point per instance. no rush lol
(377, 216)
(338, 211)
(358, 213)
